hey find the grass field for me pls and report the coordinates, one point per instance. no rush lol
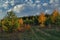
(34, 34)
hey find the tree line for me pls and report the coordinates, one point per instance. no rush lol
(11, 23)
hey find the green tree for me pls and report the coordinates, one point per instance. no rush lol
(57, 22)
(48, 22)
(35, 21)
(10, 21)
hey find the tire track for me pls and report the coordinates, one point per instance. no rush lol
(47, 34)
(36, 35)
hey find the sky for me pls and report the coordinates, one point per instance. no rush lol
(28, 7)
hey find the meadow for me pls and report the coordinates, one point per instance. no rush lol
(35, 33)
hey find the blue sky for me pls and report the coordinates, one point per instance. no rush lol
(28, 7)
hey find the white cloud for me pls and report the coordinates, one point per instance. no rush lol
(2, 14)
(37, 13)
(5, 5)
(12, 2)
(47, 11)
(32, 5)
(7, 2)
(18, 8)
(54, 1)
(29, 2)
(45, 4)
(9, 10)
(37, 1)
(39, 6)
(51, 1)
(26, 0)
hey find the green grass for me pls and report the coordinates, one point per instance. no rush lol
(34, 34)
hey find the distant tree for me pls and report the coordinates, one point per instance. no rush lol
(27, 21)
(54, 15)
(51, 20)
(47, 15)
(57, 22)
(35, 21)
(21, 21)
(48, 22)
(42, 19)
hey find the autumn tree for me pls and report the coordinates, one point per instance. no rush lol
(10, 22)
(57, 22)
(54, 15)
(42, 19)
(20, 21)
(20, 27)
(52, 19)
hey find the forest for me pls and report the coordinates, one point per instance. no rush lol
(12, 23)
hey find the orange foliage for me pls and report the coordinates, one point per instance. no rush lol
(20, 21)
(12, 22)
(3, 22)
(42, 18)
(20, 27)
(24, 28)
(55, 13)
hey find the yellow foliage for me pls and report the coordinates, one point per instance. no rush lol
(20, 21)
(5, 28)
(12, 22)
(42, 18)
(3, 22)
(54, 15)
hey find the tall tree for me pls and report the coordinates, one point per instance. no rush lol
(20, 21)
(42, 19)
(10, 21)
(54, 15)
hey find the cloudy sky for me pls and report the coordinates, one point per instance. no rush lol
(28, 7)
